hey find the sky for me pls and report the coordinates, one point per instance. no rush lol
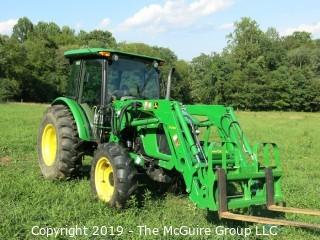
(188, 27)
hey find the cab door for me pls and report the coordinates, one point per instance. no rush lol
(90, 97)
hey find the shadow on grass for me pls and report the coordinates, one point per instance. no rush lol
(85, 172)
(154, 191)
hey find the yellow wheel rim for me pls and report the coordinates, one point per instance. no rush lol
(49, 144)
(104, 179)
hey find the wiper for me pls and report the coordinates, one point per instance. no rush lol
(145, 83)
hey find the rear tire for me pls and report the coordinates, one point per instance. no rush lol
(57, 144)
(113, 175)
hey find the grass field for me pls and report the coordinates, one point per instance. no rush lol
(27, 200)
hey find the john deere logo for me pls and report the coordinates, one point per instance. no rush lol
(155, 105)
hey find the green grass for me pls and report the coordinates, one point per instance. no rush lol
(26, 199)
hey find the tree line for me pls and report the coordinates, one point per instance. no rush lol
(257, 70)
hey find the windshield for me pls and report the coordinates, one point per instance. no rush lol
(132, 78)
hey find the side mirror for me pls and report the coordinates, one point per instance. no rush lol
(169, 83)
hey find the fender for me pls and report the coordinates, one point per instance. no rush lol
(80, 118)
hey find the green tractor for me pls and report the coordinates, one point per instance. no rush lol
(114, 112)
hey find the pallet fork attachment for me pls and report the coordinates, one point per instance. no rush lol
(273, 207)
(225, 214)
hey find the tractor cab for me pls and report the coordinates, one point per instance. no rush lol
(100, 76)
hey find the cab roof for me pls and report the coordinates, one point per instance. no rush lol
(91, 52)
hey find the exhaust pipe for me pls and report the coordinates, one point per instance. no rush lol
(169, 83)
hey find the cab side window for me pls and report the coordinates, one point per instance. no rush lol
(74, 80)
(92, 79)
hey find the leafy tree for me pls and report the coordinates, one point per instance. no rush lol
(97, 38)
(47, 30)
(66, 37)
(202, 79)
(9, 89)
(300, 56)
(297, 39)
(244, 42)
(22, 29)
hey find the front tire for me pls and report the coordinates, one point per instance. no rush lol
(112, 174)
(57, 144)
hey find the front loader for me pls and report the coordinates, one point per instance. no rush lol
(114, 112)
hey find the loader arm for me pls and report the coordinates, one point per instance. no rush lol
(197, 160)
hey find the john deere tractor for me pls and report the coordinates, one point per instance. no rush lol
(115, 113)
